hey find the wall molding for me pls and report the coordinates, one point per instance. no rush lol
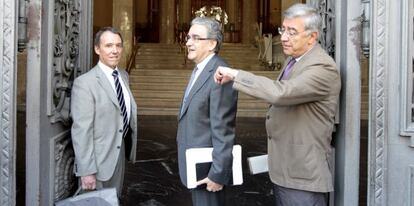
(8, 44)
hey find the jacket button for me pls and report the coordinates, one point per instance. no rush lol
(119, 147)
(120, 130)
(267, 116)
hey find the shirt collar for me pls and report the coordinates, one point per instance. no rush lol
(107, 70)
(298, 59)
(203, 63)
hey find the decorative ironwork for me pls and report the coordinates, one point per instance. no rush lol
(65, 179)
(65, 57)
(7, 104)
(327, 38)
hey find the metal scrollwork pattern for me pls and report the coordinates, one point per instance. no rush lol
(65, 179)
(65, 56)
(327, 9)
(327, 37)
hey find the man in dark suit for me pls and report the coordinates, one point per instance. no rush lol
(207, 114)
(104, 115)
(300, 120)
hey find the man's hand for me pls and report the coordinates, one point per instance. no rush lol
(88, 182)
(224, 75)
(211, 186)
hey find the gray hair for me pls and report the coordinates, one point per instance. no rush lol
(309, 14)
(213, 29)
(98, 35)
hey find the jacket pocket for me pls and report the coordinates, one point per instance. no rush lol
(303, 162)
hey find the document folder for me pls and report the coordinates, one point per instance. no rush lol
(195, 156)
(258, 164)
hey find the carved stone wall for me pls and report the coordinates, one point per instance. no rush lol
(378, 144)
(8, 43)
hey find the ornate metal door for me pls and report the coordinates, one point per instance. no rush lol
(59, 49)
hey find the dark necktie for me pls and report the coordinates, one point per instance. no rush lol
(288, 69)
(188, 89)
(121, 101)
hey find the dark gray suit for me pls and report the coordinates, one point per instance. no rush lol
(208, 120)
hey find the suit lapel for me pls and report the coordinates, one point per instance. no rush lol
(298, 65)
(200, 81)
(106, 86)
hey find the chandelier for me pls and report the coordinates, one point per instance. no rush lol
(214, 12)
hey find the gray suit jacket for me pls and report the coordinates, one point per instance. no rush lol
(300, 120)
(97, 124)
(208, 120)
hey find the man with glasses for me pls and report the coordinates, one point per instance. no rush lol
(207, 115)
(301, 116)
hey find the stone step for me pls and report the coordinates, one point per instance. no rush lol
(175, 94)
(175, 103)
(169, 72)
(174, 112)
(162, 72)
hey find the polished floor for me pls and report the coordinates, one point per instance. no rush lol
(154, 181)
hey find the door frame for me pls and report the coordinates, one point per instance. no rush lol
(8, 69)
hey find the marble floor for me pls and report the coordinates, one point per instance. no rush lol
(154, 180)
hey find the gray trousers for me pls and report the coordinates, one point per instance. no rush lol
(291, 197)
(117, 179)
(202, 197)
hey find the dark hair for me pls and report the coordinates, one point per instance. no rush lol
(213, 29)
(98, 34)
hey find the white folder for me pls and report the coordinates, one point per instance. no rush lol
(203, 155)
(258, 164)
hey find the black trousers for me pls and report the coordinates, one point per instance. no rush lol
(202, 197)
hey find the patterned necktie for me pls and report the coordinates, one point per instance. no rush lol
(288, 69)
(188, 89)
(121, 102)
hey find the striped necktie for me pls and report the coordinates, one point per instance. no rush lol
(121, 102)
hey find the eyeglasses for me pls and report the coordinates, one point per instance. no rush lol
(196, 38)
(288, 32)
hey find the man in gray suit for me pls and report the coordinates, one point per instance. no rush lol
(301, 116)
(104, 114)
(207, 115)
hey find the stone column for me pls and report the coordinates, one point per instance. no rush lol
(248, 30)
(347, 144)
(287, 3)
(167, 21)
(185, 12)
(229, 29)
(123, 19)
